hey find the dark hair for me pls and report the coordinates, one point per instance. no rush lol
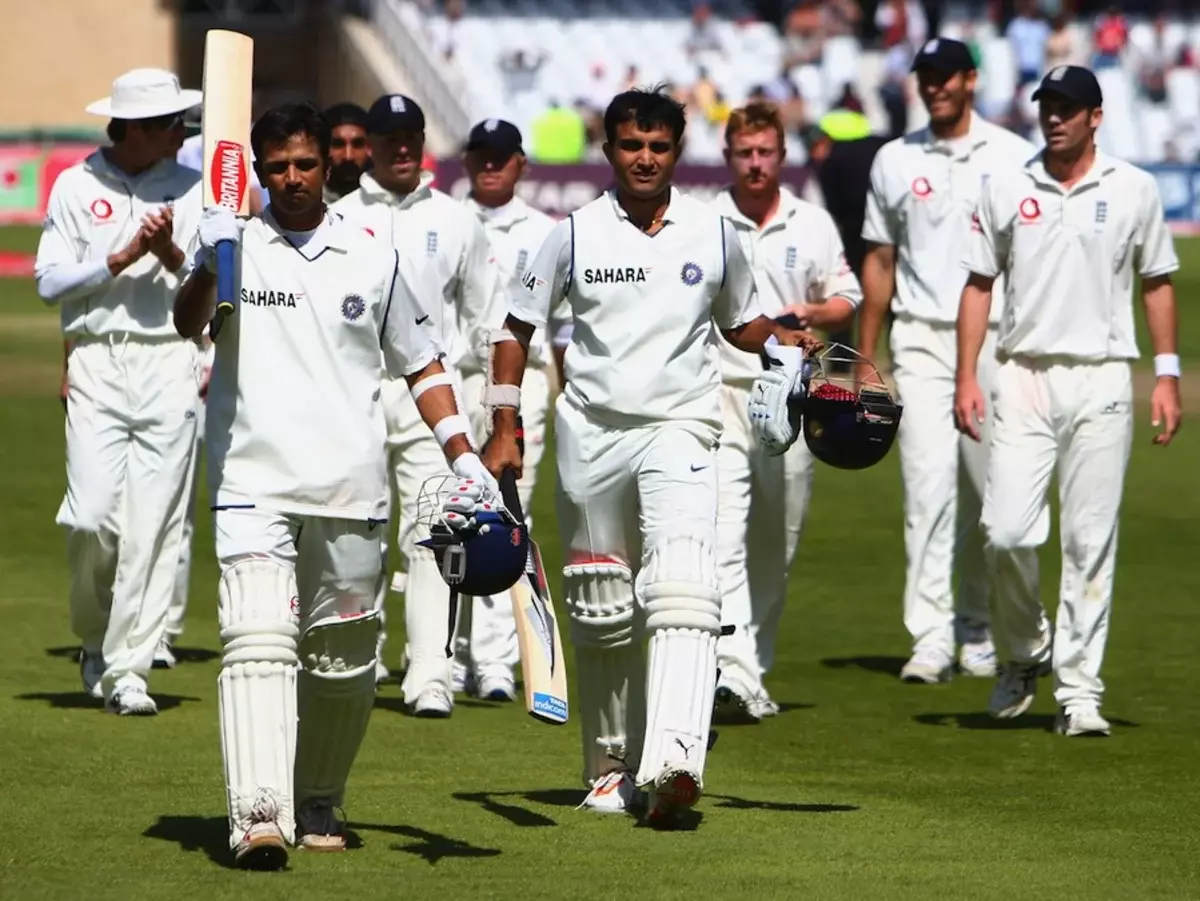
(346, 114)
(280, 123)
(117, 129)
(652, 108)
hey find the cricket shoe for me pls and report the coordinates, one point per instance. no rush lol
(614, 792)
(1082, 721)
(497, 688)
(91, 671)
(318, 828)
(462, 681)
(928, 666)
(131, 699)
(1014, 690)
(978, 659)
(164, 657)
(675, 791)
(262, 846)
(734, 703)
(433, 702)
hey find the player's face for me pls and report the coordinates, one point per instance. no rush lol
(1066, 125)
(348, 143)
(947, 96)
(293, 173)
(493, 175)
(161, 137)
(397, 158)
(643, 161)
(755, 158)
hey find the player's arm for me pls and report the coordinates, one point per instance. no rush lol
(984, 261)
(840, 293)
(542, 286)
(1156, 260)
(60, 271)
(881, 232)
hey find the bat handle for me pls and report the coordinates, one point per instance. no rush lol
(225, 267)
(510, 495)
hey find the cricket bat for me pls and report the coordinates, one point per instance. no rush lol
(225, 135)
(542, 663)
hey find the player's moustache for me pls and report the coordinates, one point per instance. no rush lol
(344, 176)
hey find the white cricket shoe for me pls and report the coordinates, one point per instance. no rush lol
(978, 659)
(433, 702)
(460, 678)
(318, 828)
(1014, 690)
(261, 847)
(131, 700)
(91, 671)
(928, 666)
(734, 701)
(497, 688)
(675, 790)
(164, 657)
(614, 792)
(1074, 722)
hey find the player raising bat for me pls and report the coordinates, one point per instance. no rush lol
(295, 438)
(648, 273)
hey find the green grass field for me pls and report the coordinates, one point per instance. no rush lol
(862, 788)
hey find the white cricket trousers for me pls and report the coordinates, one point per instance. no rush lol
(760, 515)
(943, 474)
(131, 438)
(1077, 418)
(183, 574)
(487, 629)
(414, 456)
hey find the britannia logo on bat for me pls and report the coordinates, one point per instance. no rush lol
(228, 175)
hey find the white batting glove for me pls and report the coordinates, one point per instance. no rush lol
(218, 224)
(466, 500)
(470, 469)
(774, 420)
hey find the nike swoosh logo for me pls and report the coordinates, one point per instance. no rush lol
(421, 319)
(696, 468)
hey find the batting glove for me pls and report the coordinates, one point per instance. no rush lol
(218, 224)
(774, 418)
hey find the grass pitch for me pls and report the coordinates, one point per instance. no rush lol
(862, 787)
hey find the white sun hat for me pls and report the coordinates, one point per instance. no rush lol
(145, 94)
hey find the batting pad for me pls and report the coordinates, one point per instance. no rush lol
(336, 694)
(609, 666)
(257, 694)
(683, 616)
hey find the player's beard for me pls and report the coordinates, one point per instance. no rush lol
(343, 177)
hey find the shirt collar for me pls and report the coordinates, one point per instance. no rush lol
(789, 203)
(673, 201)
(516, 210)
(959, 148)
(1102, 165)
(373, 191)
(332, 234)
(98, 163)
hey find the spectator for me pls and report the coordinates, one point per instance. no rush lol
(445, 31)
(520, 69)
(1028, 34)
(1060, 46)
(841, 17)
(1153, 63)
(703, 41)
(902, 22)
(803, 37)
(1110, 38)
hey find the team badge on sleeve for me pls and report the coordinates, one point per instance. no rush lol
(353, 307)
(691, 274)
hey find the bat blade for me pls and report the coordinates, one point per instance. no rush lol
(225, 136)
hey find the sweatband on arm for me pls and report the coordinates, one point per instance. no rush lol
(447, 428)
(1167, 365)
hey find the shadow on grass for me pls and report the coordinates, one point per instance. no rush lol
(518, 816)
(80, 700)
(429, 846)
(207, 834)
(182, 655)
(976, 720)
(890, 666)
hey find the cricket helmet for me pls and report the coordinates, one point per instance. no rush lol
(848, 423)
(479, 555)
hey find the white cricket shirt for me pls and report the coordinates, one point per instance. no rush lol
(797, 257)
(1070, 257)
(294, 420)
(94, 210)
(922, 196)
(643, 349)
(438, 233)
(516, 232)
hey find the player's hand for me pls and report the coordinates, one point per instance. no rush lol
(470, 468)
(802, 313)
(1166, 409)
(218, 224)
(774, 421)
(501, 453)
(467, 499)
(797, 338)
(968, 408)
(138, 247)
(160, 228)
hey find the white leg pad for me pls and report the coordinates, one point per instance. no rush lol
(336, 694)
(426, 618)
(683, 616)
(257, 694)
(609, 665)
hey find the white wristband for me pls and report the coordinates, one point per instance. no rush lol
(433, 381)
(1167, 365)
(502, 396)
(447, 428)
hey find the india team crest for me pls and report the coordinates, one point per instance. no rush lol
(691, 274)
(353, 307)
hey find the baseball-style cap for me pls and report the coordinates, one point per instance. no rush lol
(1073, 82)
(944, 55)
(394, 112)
(495, 135)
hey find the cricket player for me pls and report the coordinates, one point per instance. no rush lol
(495, 161)
(109, 259)
(924, 187)
(1070, 231)
(650, 275)
(298, 482)
(799, 267)
(396, 203)
(349, 151)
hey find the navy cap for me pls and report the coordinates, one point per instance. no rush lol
(394, 112)
(944, 55)
(1073, 82)
(496, 135)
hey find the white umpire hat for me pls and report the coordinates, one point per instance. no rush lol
(145, 94)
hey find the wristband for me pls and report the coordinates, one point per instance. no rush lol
(1166, 365)
(502, 396)
(447, 428)
(434, 381)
